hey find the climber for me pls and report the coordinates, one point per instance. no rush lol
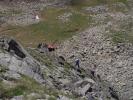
(77, 63)
(51, 47)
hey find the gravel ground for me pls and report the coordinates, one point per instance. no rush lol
(114, 62)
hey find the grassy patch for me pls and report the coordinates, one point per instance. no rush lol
(42, 58)
(79, 4)
(50, 29)
(3, 69)
(51, 98)
(121, 37)
(24, 87)
(8, 93)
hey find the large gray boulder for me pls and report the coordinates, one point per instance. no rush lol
(18, 61)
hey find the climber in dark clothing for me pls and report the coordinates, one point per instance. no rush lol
(77, 63)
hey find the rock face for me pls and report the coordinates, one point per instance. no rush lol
(59, 75)
(17, 60)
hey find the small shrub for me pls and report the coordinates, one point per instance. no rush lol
(121, 37)
(51, 98)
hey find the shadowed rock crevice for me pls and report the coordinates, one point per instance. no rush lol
(12, 46)
(14, 57)
(16, 48)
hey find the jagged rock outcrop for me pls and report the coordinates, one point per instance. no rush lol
(17, 61)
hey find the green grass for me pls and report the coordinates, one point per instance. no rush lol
(80, 4)
(52, 98)
(18, 90)
(50, 29)
(124, 34)
(121, 37)
(25, 86)
(34, 87)
(3, 69)
(94, 2)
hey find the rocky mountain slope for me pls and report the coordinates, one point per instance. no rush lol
(52, 77)
(104, 50)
